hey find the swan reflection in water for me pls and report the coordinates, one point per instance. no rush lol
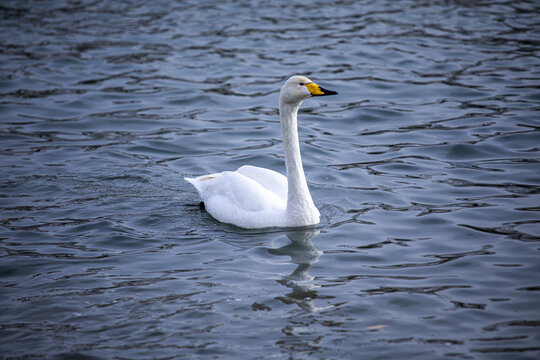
(304, 254)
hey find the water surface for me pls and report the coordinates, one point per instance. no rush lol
(425, 170)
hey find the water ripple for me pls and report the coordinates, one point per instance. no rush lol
(425, 169)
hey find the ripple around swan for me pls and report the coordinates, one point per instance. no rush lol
(425, 169)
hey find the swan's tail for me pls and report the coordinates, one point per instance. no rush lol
(194, 182)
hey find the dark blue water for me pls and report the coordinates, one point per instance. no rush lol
(425, 169)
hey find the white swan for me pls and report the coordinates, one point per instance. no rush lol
(253, 197)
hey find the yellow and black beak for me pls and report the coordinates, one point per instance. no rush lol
(316, 90)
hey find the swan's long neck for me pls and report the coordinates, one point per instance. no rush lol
(300, 207)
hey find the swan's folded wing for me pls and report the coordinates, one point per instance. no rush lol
(234, 198)
(270, 179)
(237, 190)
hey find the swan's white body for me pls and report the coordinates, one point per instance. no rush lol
(253, 197)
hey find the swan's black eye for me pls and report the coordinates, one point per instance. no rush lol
(301, 84)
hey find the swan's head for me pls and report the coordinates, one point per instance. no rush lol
(299, 88)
